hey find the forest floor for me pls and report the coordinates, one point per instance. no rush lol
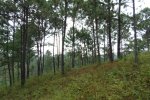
(120, 80)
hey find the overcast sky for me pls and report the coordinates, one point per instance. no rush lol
(142, 3)
(139, 4)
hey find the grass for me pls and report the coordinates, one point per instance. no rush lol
(119, 80)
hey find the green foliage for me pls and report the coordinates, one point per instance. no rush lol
(25, 24)
(144, 19)
(110, 81)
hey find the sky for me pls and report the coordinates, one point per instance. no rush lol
(139, 4)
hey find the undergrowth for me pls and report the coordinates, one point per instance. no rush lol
(119, 80)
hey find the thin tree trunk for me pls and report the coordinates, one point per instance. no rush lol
(8, 62)
(41, 65)
(28, 63)
(94, 51)
(27, 46)
(119, 31)
(54, 52)
(96, 28)
(18, 71)
(109, 33)
(58, 49)
(63, 37)
(13, 57)
(87, 52)
(135, 36)
(148, 44)
(42, 46)
(5, 77)
(43, 53)
(92, 60)
(104, 45)
(82, 62)
(73, 45)
(38, 60)
(39, 49)
(86, 56)
(21, 55)
(98, 49)
(24, 43)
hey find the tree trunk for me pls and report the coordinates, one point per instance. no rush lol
(38, 60)
(42, 46)
(94, 51)
(104, 35)
(147, 44)
(43, 53)
(109, 33)
(28, 63)
(13, 75)
(98, 49)
(58, 50)
(119, 31)
(5, 76)
(73, 45)
(41, 65)
(39, 49)
(81, 55)
(8, 58)
(135, 36)
(54, 52)
(92, 60)
(63, 37)
(96, 28)
(18, 71)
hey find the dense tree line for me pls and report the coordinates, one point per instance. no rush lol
(95, 28)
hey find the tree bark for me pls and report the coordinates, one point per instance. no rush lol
(94, 48)
(14, 31)
(8, 58)
(24, 44)
(41, 65)
(58, 49)
(18, 71)
(104, 35)
(43, 52)
(119, 31)
(135, 36)
(63, 37)
(73, 45)
(97, 40)
(38, 60)
(109, 33)
(28, 63)
(54, 52)
(96, 28)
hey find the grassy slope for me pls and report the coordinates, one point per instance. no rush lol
(110, 81)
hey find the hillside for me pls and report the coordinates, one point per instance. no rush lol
(120, 80)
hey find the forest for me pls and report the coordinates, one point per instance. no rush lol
(74, 50)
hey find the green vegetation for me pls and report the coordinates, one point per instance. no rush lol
(119, 80)
(44, 45)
